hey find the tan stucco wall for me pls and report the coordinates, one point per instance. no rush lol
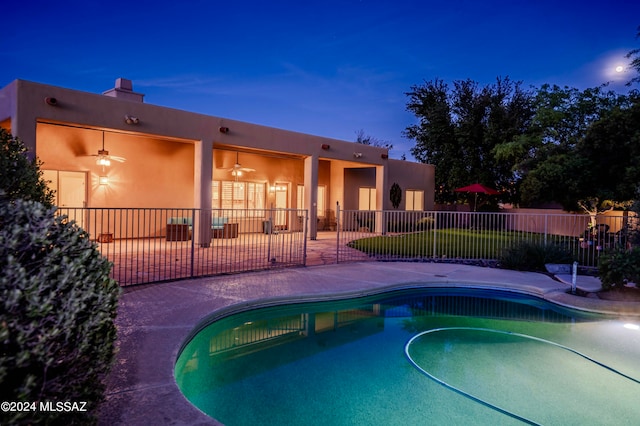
(414, 176)
(566, 223)
(164, 150)
(156, 173)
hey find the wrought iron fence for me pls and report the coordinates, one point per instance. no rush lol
(387, 235)
(150, 244)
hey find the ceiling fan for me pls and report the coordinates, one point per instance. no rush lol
(104, 159)
(238, 170)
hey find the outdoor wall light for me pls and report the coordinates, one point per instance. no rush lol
(326, 146)
(130, 119)
(51, 101)
(104, 180)
(384, 156)
(224, 130)
(357, 154)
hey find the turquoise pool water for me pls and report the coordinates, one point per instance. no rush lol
(428, 356)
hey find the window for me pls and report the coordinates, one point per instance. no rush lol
(255, 195)
(238, 196)
(300, 198)
(415, 200)
(367, 199)
(322, 199)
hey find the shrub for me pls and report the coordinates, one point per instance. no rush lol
(20, 177)
(57, 305)
(617, 268)
(532, 256)
(395, 195)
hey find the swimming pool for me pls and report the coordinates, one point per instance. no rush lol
(414, 356)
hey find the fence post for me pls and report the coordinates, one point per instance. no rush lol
(304, 237)
(269, 234)
(337, 232)
(435, 231)
(193, 239)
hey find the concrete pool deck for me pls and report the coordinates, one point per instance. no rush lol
(154, 320)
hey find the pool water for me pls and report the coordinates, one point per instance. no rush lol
(485, 357)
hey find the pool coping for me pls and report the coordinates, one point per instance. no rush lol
(154, 321)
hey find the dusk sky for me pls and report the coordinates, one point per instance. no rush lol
(327, 68)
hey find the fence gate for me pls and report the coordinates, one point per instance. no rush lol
(353, 226)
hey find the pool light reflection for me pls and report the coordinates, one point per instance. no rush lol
(630, 326)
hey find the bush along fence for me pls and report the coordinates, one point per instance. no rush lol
(414, 235)
(150, 245)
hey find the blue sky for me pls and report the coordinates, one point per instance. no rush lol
(327, 67)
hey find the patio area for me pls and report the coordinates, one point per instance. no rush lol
(150, 260)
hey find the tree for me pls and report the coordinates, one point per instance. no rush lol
(588, 156)
(634, 55)
(21, 177)
(561, 118)
(364, 139)
(458, 130)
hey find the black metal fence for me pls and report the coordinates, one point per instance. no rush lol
(151, 244)
(385, 235)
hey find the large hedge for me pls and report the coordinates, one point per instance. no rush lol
(57, 302)
(57, 305)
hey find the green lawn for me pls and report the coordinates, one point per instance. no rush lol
(448, 243)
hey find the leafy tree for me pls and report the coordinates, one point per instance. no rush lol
(459, 128)
(364, 139)
(561, 118)
(434, 135)
(581, 150)
(20, 177)
(634, 55)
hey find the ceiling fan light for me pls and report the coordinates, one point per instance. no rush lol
(104, 162)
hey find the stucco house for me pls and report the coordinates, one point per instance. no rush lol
(181, 159)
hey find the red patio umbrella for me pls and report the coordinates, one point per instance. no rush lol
(477, 188)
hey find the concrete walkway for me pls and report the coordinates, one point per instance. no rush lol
(154, 320)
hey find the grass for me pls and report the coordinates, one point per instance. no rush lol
(446, 243)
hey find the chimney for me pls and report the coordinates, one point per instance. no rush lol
(124, 90)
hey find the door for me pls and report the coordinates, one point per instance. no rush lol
(281, 203)
(72, 189)
(70, 192)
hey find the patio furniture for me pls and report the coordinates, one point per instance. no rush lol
(179, 229)
(105, 237)
(221, 228)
